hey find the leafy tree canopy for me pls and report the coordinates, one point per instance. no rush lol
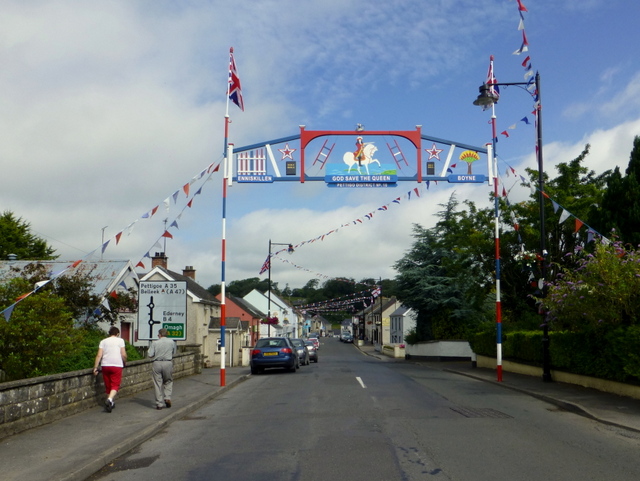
(16, 238)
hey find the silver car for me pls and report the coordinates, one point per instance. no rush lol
(303, 352)
(313, 352)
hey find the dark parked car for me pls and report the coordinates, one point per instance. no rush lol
(274, 352)
(347, 338)
(313, 352)
(303, 352)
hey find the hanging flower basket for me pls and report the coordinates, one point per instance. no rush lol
(271, 321)
(526, 259)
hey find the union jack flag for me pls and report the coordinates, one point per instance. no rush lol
(266, 265)
(376, 292)
(235, 92)
(491, 80)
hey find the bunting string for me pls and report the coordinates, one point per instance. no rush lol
(210, 170)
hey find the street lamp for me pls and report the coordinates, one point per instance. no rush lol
(486, 99)
(290, 251)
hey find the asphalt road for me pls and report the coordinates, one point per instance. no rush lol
(353, 417)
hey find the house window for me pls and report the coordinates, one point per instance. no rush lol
(218, 344)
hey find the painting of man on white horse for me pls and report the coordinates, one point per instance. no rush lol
(362, 156)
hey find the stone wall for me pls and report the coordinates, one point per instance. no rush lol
(29, 403)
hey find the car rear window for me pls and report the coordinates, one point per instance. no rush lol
(271, 343)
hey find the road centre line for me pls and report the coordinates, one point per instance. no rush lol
(361, 383)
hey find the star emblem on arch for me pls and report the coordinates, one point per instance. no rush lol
(433, 152)
(287, 152)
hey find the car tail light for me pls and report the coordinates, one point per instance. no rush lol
(286, 350)
(255, 352)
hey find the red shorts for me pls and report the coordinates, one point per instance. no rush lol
(112, 376)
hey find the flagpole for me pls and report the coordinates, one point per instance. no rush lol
(494, 140)
(223, 255)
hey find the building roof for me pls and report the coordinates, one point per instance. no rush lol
(105, 275)
(400, 311)
(229, 323)
(193, 287)
(247, 307)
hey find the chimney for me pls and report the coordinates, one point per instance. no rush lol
(189, 271)
(159, 260)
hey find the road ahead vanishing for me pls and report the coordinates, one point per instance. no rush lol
(353, 417)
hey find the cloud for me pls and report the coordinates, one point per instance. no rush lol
(108, 109)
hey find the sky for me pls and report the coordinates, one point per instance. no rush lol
(109, 110)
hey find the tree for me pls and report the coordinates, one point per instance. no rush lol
(603, 291)
(16, 238)
(425, 284)
(242, 287)
(576, 190)
(620, 206)
(39, 333)
(76, 290)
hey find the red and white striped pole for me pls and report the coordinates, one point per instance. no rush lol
(492, 151)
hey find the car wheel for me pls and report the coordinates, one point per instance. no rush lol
(254, 370)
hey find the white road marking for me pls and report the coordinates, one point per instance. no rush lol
(361, 383)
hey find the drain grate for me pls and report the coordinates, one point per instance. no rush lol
(480, 413)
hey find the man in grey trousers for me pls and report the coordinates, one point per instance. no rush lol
(163, 351)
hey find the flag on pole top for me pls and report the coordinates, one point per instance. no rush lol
(491, 81)
(235, 92)
(266, 265)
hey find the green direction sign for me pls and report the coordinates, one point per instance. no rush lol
(162, 304)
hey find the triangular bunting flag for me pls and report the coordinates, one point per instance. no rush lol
(7, 312)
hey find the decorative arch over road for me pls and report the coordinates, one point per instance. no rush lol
(360, 158)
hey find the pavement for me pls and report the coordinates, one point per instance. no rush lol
(78, 446)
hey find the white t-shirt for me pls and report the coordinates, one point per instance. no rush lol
(111, 351)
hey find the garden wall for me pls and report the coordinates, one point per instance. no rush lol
(29, 403)
(612, 387)
(440, 351)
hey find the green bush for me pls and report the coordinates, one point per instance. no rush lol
(606, 353)
(84, 353)
(484, 343)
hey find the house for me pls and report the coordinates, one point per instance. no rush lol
(246, 312)
(236, 336)
(320, 325)
(290, 320)
(403, 321)
(201, 306)
(242, 323)
(109, 278)
(377, 322)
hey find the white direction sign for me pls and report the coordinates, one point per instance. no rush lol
(162, 305)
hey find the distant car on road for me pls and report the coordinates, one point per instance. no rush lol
(303, 352)
(313, 352)
(347, 338)
(274, 352)
(315, 341)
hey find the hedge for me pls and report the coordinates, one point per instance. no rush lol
(612, 354)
